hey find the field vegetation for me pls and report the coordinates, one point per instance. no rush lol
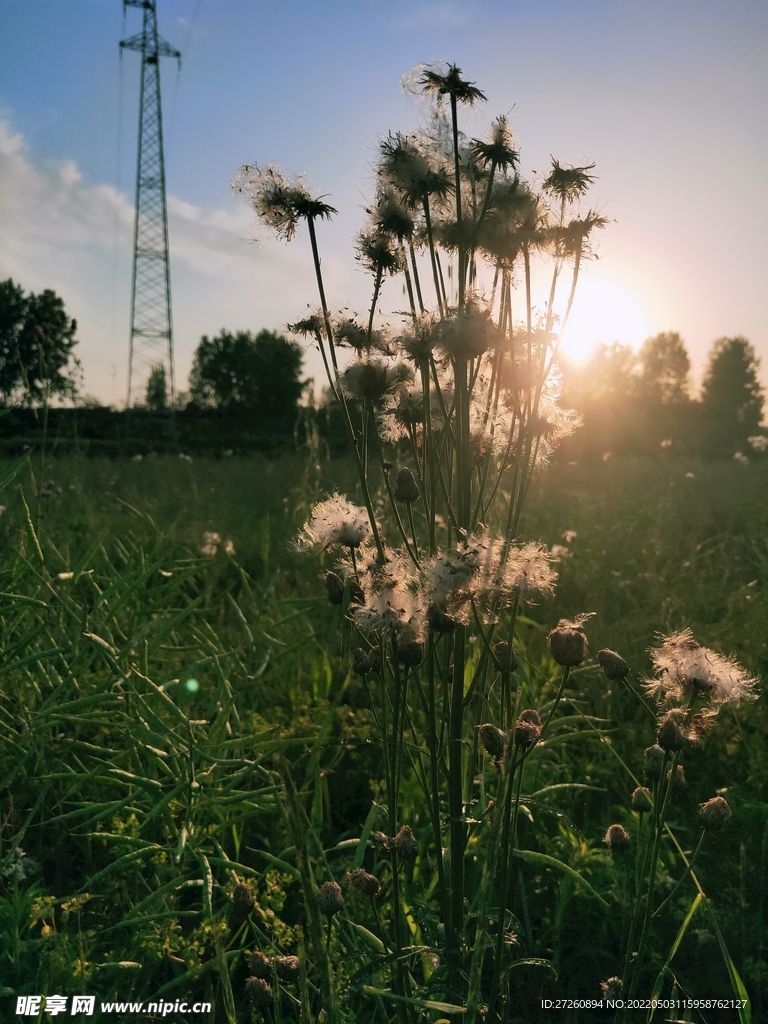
(140, 801)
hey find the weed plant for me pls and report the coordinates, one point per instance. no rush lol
(449, 417)
(395, 792)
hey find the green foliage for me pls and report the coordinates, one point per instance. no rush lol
(157, 389)
(259, 374)
(36, 342)
(732, 398)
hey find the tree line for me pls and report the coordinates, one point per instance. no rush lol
(643, 402)
(631, 403)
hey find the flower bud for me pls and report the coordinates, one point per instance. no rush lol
(493, 739)
(243, 899)
(568, 644)
(288, 968)
(329, 899)
(617, 838)
(641, 800)
(505, 656)
(334, 587)
(406, 488)
(653, 762)
(380, 840)
(714, 813)
(360, 881)
(669, 736)
(613, 665)
(405, 844)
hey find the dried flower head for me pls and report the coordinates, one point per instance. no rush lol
(363, 661)
(684, 668)
(260, 965)
(278, 202)
(380, 840)
(611, 989)
(405, 844)
(505, 656)
(641, 800)
(653, 762)
(335, 522)
(613, 665)
(568, 642)
(372, 379)
(406, 488)
(679, 781)
(243, 899)
(259, 992)
(669, 736)
(714, 813)
(617, 838)
(288, 968)
(360, 881)
(329, 899)
(529, 571)
(410, 652)
(334, 587)
(528, 728)
(492, 738)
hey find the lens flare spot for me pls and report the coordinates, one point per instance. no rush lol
(192, 685)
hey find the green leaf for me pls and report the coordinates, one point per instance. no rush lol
(552, 862)
(423, 1004)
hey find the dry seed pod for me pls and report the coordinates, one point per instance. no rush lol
(613, 665)
(669, 736)
(406, 488)
(363, 661)
(653, 762)
(360, 881)
(679, 782)
(380, 840)
(505, 656)
(405, 844)
(612, 988)
(259, 965)
(410, 653)
(259, 992)
(617, 838)
(568, 643)
(329, 899)
(288, 968)
(334, 588)
(243, 898)
(493, 739)
(641, 800)
(528, 729)
(714, 813)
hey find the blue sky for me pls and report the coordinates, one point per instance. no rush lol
(668, 98)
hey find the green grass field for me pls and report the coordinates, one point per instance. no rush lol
(149, 690)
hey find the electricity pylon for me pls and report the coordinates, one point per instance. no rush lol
(151, 342)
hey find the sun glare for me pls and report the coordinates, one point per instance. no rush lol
(604, 311)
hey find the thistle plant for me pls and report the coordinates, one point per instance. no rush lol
(450, 412)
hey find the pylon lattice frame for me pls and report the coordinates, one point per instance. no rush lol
(151, 341)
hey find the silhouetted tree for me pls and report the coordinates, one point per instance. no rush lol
(36, 342)
(157, 389)
(665, 367)
(731, 396)
(664, 382)
(242, 373)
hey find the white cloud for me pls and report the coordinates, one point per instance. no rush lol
(437, 16)
(61, 232)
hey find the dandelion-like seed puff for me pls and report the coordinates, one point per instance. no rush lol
(529, 571)
(335, 522)
(684, 669)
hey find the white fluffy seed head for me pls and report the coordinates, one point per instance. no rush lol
(335, 522)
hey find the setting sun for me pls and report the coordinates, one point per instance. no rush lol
(604, 310)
